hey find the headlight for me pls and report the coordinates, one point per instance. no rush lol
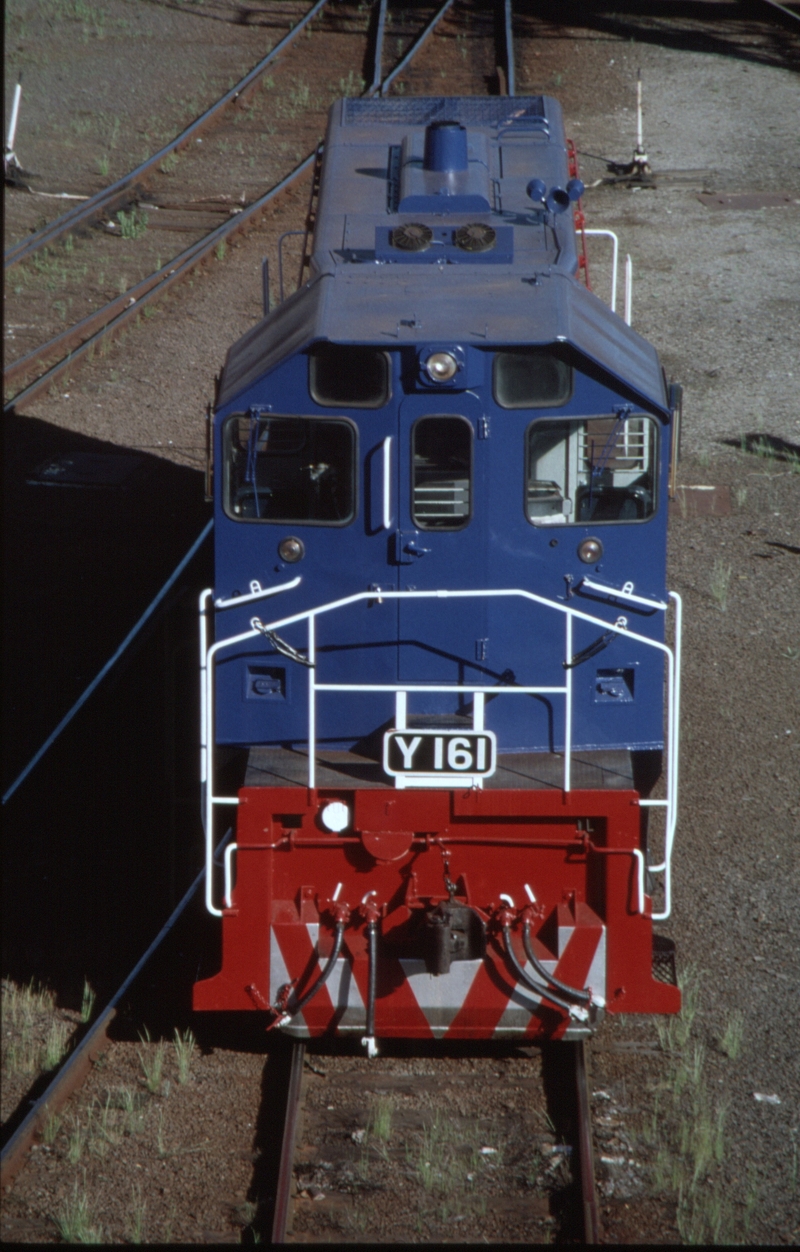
(441, 367)
(590, 551)
(291, 550)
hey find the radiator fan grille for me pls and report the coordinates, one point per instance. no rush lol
(412, 237)
(477, 237)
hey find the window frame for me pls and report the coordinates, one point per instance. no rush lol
(591, 523)
(349, 404)
(303, 417)
(457, 417)
(519, 350)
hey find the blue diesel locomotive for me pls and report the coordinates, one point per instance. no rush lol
(438, 619)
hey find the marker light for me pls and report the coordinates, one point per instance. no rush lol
(335, 817)
(291, 550)
(441, 367)
(590, 551)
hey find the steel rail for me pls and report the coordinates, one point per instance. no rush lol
(75, 335)
(378, 62)
(95, 683)
(284, 1186)
(589, 1211)
(170, 275)
(110, 196)
(415, 47)
(783, 9)
(118, 312)
(78, 1064)
(511, 84)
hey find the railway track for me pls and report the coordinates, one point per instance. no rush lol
(71, 1075)
(71, 346)
(499, 1140)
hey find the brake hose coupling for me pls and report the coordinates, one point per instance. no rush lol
(369, 908)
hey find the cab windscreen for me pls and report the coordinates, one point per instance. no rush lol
(343, 376)
(531, 378)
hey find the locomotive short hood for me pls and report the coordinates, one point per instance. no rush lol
(360, 307)
(440, 165)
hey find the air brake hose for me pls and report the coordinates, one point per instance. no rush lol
(584, 997)
(323, 978)
(372, 942)
(574, 1010)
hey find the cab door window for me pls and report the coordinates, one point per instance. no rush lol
(441, 474)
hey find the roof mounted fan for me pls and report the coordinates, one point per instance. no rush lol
(477, 237)
(412, 237)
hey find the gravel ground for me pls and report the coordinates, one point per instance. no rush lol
(716, 291)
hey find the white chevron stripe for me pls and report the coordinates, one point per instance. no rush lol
(278, 977)
(440, 996)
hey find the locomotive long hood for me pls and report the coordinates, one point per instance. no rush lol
(390, 307)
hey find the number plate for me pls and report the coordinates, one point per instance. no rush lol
(440, 752)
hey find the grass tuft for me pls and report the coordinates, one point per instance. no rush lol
(720, 582)
(152, 1064)
(75, 1223)
(732, 1039)
(134, 224)
(87, 1002)
(184, 1045)
(55, 1046)
(138, 1211)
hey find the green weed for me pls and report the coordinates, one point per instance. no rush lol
(380, 1124)
(102, 166)
(87, 1002)
(134, 224)
(75, 1223)
(138, 1210)
(719, 583)
(55, 1046)
(77, 1142)
(221, 250)
(51, 1128)
(732, 1039)
(152, 1064)
(184, 1045)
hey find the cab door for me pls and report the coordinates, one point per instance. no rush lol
(440, 542)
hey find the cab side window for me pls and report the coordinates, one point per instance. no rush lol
(290, 469)
(596, 469)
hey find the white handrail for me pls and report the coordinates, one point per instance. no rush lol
(609, 234)
(387, 482)
(624, 594)
(257, 592)
(401, 691)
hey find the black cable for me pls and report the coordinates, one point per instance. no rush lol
(583, 996)
(572, 1009)
(372, 944)
(332, 959)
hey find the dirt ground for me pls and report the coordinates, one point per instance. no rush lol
(698, 1122)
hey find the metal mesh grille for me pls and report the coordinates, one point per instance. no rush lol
(664, 960)
(474, 110)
